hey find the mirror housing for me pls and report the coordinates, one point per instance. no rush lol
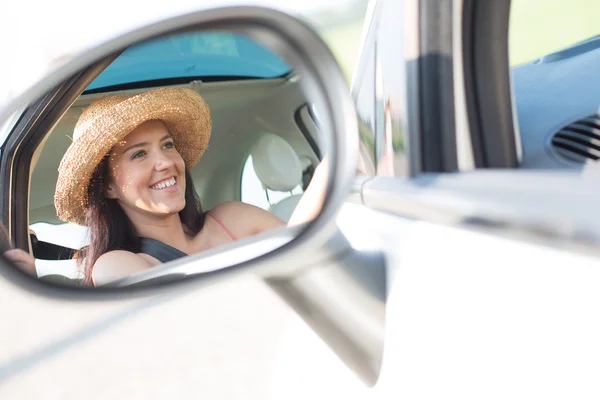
(283, 267)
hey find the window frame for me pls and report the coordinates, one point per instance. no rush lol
(26, 136)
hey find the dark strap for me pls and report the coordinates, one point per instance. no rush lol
(159, 250)
(58, 279)
(50, 251)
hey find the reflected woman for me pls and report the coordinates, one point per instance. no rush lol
(126, 176)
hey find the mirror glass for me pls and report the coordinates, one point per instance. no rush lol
(184, 145)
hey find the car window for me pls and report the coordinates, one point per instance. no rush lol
(205, 56)
(554, 56)
(540, 27)
(67, 235)
(363, 90)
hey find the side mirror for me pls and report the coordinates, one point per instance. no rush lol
(312, 67)
(291, 67)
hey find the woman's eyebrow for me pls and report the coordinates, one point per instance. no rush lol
(133, 146)
(141, 144)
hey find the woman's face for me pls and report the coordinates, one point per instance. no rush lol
(146, 173)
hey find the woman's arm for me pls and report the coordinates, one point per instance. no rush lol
(311, 203)
(117, 264)
(23, 260)
(245, 220)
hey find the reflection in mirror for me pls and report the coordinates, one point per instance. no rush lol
(181, 145)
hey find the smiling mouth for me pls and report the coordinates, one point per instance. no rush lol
(167, 183)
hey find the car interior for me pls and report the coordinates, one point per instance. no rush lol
(262, 126)
(556, 98)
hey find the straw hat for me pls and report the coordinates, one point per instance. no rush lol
(108, 120)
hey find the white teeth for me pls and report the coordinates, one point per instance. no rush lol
(164, 184)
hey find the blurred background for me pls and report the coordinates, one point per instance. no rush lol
(36, 37)
(540, 27)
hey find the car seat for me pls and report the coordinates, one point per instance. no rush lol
(278, 167)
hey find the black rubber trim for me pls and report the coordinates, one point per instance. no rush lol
(487, 83)
(436, 86)
(304, 129)
(8, 151)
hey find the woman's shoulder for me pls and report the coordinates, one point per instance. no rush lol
(244, 219)
(117, 264)
(230, 208)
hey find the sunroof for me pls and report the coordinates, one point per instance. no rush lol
(209, 55)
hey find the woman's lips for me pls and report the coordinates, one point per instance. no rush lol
(169, 185)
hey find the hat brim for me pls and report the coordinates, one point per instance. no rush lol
(185, 114)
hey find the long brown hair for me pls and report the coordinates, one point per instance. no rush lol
(110, 228)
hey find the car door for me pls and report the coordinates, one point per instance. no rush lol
(489, 295)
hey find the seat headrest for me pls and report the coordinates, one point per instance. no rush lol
(276, 163)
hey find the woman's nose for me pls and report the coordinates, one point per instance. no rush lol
(163, 162)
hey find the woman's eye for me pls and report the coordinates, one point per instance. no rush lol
(138, 154)
(168, 145)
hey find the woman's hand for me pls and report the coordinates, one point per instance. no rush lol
(23, 260)
(311, 203)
